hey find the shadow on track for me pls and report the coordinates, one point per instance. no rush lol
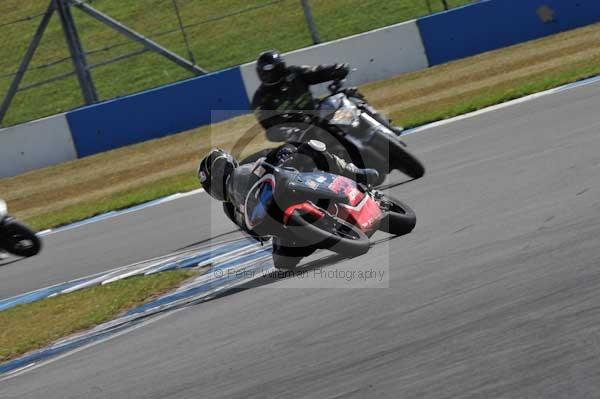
(9, 261)
(207, 240)
(324, 262)
(392, 185)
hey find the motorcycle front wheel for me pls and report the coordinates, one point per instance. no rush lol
(400, 158)
(408, 164)
(330, 233)
(399, 218)
(20, 240)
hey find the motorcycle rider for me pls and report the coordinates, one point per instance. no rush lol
(223, 179)
(287, 88)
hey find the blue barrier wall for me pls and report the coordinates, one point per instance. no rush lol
(493, 24)
(455, 34)
(159, 112)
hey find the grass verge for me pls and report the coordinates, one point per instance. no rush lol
(38, 324)
(127, 176)
(503, 94)
(128, 198)
(251, 26)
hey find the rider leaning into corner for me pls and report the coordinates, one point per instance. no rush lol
(225, 180)
(283, 88)
(287, 88)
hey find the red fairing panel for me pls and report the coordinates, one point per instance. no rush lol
(361, 211)
(305, 207)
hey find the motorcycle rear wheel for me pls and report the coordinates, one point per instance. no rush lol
(20, 240)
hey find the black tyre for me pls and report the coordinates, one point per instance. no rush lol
(407, 163)
(399, 219)
(399, 157)
(21, 240)
(330, 233)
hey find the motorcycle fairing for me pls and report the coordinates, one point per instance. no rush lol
(304, 208)
(361, 210)
(310, 186)
(258, 200)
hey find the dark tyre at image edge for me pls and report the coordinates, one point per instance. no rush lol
(20, 240)
(400, 219)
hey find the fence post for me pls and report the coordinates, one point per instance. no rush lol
(33, 45)
(314, 33)
(445, 3)
(133, 35)
(88, 89)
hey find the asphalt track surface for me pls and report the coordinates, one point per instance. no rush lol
(494, 294)
(114, 242)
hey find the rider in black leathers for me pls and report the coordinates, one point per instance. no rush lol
(285, 89)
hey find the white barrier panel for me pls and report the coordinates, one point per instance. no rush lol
(35, 145)
(377, 55)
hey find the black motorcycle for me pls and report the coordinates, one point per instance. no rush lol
(15, 237)
(349, 127)
(305, 211)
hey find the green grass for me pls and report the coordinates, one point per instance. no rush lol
(177, 184)
(487, 99)
(38, 324)
(216, 43)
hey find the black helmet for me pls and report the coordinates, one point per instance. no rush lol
(270, 68)
(214, 169)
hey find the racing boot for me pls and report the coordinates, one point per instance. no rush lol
(365, 176)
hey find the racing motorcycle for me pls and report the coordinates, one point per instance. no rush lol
(15, 237)
(345, 122)
(305, 211)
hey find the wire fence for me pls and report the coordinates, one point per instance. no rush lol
(210, 34)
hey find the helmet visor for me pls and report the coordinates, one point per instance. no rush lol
(271, 73)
